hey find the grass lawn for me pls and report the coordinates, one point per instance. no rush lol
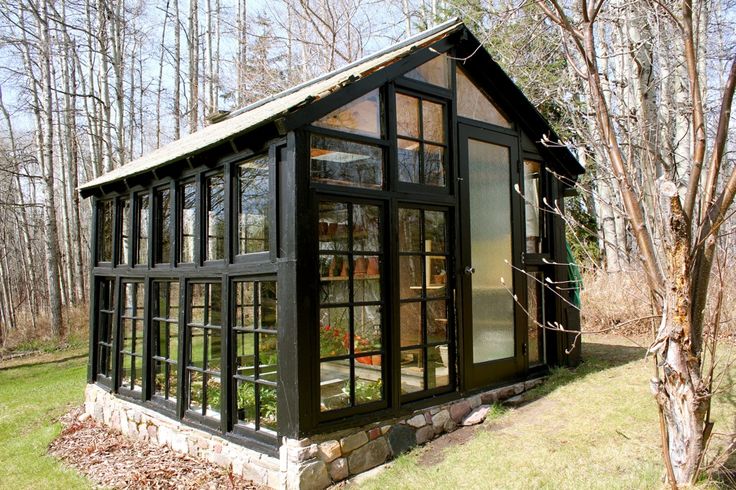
(34, 392)
(594, 428)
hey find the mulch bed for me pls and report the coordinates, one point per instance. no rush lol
(112, 460)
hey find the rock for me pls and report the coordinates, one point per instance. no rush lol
(303, 453)
(474, 401)
(425, 434)
(503, 393)
(179, 443)
(374, 433)
(459, 410)
(417, 421)
(533, 383)
(352, 442)
(221, 460)
(385, 429)
(439, 420)
(476, 416)
(84, 416)
(489, 398)
(450, 425)
(165, 435)
(368, 456)
(515, 401)
(518, 388)
(329, 451)
(313, 475)
(338, 469)
(401, 438)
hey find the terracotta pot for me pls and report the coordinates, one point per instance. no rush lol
(376, 360)
(373, 269)
(331, 230)
(332, 267)
(323, 228)
(361, 266)
(365, 360)
(345, 270)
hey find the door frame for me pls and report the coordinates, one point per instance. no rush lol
(489, 373)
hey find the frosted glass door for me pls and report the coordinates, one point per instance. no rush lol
(489, 194)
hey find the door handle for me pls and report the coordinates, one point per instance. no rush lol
(469, 270)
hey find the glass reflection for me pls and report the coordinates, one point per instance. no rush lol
(340, 162)
(360, 116)
(215, 218)
(253, 185)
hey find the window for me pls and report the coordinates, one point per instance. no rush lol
(187, 217)
(341, 162)
(361, 116)
(473, 104)
(424, 299)
(535, 318)
(106, 310)
(162, 226)
(165, 334)
(124, 213)
(204, 348)
(256, 354)
(104, 235)
(534, 221)
(131, 351)
(421, 130)
(435, 71)
(253, 208)
(351, 303)
(215, 223)
(142, 230)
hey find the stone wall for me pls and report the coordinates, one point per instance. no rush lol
(310, 463)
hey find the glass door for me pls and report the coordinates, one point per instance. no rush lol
(493, 338)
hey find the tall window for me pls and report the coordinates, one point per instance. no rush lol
(165, 334)
(424, 299)
(104, 234)
(422, 140)
(124, 213)
(142, 230)
(106, 310)
(162, 226)
(435, 72)
(253, 207)
(187, 219)
(256, 356)
(473, 104)
(204, 348)
(351, 325)
(534, 218)
(215, 224)
(131, 351)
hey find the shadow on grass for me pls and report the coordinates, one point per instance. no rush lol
(59, 360)
(596, 357)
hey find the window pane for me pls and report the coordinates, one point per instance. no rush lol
(196, 390)
(253, 223)
(410, 276)
(333, 226)
(367, 284)
(436, 72)
(436, 321)
(124, 231)
(334, 332)
(438, 372)
(367, 328)
(334, 385)
(267, 357)
(267, 403)
(361, 116)
(531, 206)
(408, 160)
(433, 121)
(215, 218)
(214, 349)
(244, 304)
(407, 116)
(434, 231)
(246, 402)
(244, 353)
(142, 220)
(340, 162)
(535, 317)
(436, 276)
(434, 165)
(104, 245)
(213, 396)
(197, 341)
(269, 307)
(334, 288)
(409, 230)
(215, 304)
(163, 226)
(368, 385)
(366, 228)
(412, 371)
(473, 104)
(411, 324)
(188, 218)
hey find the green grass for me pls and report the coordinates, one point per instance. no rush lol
(594, 428)
(34, 392)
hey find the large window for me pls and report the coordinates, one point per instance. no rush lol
(142, 229)
(351, 324)
(361, 116)
(473, 104)
(162, 226)
(131, 326)
(204, 348)
(422, 140)
(215, 222)
(253, 206)
(187, 221)
(256, 355)
(124, 235)
(424, 299)
(341, 162)
(104, 234)
(435, 72)
(165, 334)
(106, 311)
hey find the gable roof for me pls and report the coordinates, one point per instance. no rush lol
(272, 108)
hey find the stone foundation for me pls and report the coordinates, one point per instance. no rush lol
(310, 463)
